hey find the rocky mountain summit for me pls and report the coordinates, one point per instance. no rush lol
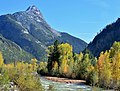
(32, 33)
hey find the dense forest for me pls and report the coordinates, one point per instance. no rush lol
(102, 72)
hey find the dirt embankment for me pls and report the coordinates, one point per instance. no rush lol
(65, 80)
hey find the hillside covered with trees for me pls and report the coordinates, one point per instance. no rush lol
(105, 39)
(63, 62)
(11, 51)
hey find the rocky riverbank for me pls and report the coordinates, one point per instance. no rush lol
(65, 80)
(63, 84)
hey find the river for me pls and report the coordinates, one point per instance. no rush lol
(58, 86)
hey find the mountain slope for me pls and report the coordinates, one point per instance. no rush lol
(32, 33)
(78, 45)
(104, 40)
(12, 52)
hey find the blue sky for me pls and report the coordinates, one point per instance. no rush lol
(80, 18)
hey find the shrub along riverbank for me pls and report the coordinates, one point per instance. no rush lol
(19, 76)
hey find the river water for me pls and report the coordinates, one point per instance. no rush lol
(63, 86)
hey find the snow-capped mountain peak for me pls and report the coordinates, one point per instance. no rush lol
(34, 9)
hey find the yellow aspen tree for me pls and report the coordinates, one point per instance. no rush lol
(34, 64)
(1, 59)
(116, 69)
(55, 68)
(115, 60)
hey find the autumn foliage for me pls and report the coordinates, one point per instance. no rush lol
(21, 74)
(103, 72)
